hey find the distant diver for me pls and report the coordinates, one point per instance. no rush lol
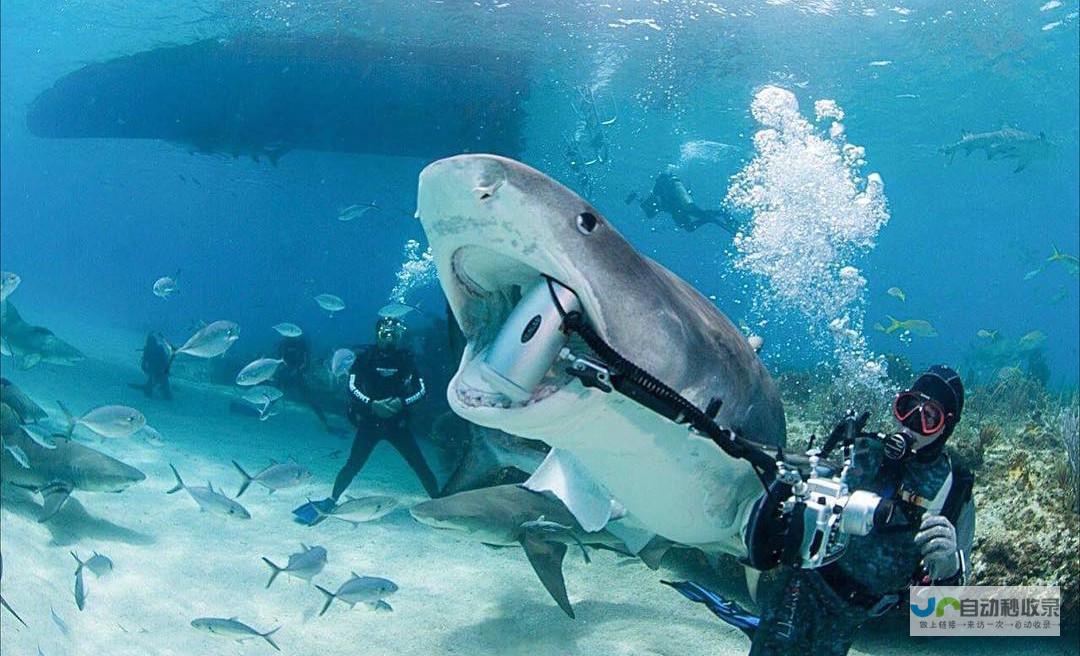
(157, 357)
(383, 384)
(670, 195)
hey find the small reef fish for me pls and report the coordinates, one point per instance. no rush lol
(8, 282)
(1070, 262)
(357, 211)
(286, 329)
(367, 590)
(209, 499)
(3, 602)
(330, 303)
(917, 327)
(304, 564)
(397, 310)
(258, 371)
(108, 421)
(233, 629)
(165, 286)
(991, 335)
(262, 396)
(544, 526)
(896, 292)
(363, 509)
(211, 340)
(152, 436)
(60, 624)
(80, 585)
(276, 476)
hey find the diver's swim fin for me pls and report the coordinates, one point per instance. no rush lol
(729, 611)
(313, 512)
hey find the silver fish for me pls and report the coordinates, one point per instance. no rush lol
(164, 287)
(211, 340)
(100, 565)
(353, 212)
(286, 329)
(342, 361)
(60, 624)
(209, 499)
(41, 436)
(330, 303)
(359, 589)
(365, 509)
(80, 585)
(258, 371)
(232, 628)
(304, 564)
(108, 420)
(276, 476)
(152, 436)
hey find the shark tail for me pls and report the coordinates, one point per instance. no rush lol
(266, 637)
(179, 481)
(245, 484)
(275, 570)
(1055, 255)
(330, 596)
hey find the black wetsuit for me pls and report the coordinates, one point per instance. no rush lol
(670, 195)
(381, 373)
(290, 375)
(156, 361)
(820, 611)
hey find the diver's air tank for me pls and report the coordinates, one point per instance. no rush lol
(529, 341)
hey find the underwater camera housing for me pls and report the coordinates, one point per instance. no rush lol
(807, 515)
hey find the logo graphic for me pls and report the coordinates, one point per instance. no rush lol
(985, 611)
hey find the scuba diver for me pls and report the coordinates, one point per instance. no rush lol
(157, 357)
(295, 353)
(670, 195)
(383, 384)
(922, 518)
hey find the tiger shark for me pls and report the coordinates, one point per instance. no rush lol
(497, 228)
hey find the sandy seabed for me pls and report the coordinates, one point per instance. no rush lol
(174, 563)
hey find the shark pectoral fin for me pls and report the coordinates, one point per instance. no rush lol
(55, 495)
(563, 475)
(654, 552)
(546, 559)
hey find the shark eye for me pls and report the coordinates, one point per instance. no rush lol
(586, 222)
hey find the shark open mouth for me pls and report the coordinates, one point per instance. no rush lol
(514, 331)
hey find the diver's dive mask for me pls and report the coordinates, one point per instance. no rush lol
(389, 331)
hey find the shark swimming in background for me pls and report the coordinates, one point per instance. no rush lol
(30, 345)
(58, 471)
(510, 515)
(1006, 143)
(502, 231)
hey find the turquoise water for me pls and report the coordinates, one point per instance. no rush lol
(821, 128)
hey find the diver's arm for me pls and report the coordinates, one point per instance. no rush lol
(354, 389)
(965, 537)
(415, 384)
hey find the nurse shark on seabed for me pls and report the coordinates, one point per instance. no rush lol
(502, 231)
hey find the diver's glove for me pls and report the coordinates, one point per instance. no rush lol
(937, 541)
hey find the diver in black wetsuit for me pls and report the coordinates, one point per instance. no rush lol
(383, 384)
(820, 611)
(670, 195)
(157, 355)
(296, 354)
